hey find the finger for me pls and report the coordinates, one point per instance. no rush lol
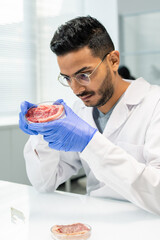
(24, 126)
(66, 108)
(46, 133)
(36, 126)
(59, 101)
(25, 106)
(41, 127)
(47, 126)
(50, 138)
(21, 122)
(54, 146)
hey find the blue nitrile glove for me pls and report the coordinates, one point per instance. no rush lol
(23, 125)
(68, 134)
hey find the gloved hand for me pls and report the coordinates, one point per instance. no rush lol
(23, 125)
(68, 134)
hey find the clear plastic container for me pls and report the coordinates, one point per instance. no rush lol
(45, 112)
(77, 235)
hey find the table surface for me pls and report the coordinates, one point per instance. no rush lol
(34, 213)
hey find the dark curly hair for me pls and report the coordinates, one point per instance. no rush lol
(80, 32)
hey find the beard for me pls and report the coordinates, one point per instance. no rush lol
(105, 92)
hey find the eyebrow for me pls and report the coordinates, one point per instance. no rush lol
(80, 70)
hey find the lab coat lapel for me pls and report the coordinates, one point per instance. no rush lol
(87, 115)
(117, 118)
(132, 97)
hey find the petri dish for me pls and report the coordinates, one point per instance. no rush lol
(45, 112)
(76, 231)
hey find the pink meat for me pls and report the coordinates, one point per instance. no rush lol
(73, 228)
(44, 113)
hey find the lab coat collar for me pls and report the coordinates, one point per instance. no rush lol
(133, 96)
(136, 92)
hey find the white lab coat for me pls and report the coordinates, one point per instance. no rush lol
(121, 163)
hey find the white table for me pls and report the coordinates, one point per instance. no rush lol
(109, 219)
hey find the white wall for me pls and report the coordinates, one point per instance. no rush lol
(105, 11)
(140, 33)
(12, 165)
(136, 6)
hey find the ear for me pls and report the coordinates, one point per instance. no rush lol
(114, 60)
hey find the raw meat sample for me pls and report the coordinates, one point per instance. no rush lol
(44, 113)
(76, 231)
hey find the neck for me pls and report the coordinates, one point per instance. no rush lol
(120, 87)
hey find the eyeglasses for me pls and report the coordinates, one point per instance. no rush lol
(82, 78)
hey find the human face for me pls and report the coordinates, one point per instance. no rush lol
(100, 88)
(80, 77)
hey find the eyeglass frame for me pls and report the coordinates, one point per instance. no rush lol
(88, 75)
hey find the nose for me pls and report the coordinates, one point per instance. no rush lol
(76, 87)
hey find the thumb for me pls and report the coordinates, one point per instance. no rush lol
(25, 106)
(66, 108)
(59, 101)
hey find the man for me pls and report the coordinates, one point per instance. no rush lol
(122, 158)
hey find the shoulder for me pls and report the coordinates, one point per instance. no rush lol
(141, 82)
(153, 93)
(152, 96)
(140, 90)
(155, 89)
